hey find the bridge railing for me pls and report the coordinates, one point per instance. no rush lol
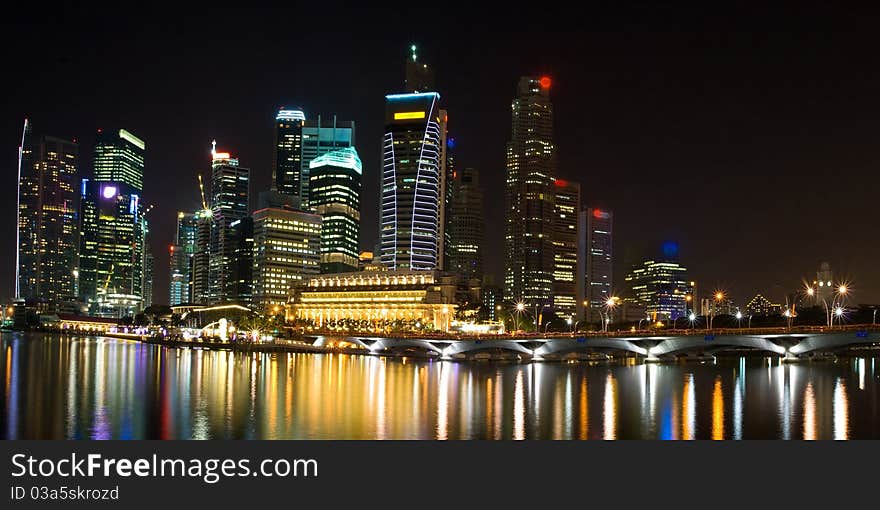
(626, 333)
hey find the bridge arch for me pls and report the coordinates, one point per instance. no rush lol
(681, 344)
(465, 347)
(560, 347)
(391, 344)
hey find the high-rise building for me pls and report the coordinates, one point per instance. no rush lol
(202, 257)
(287, 249)
(660, 286)
(334, 194)
(568, 275)
(287, 164)
(47, 240)
(181, 254)
(147, 284)
(113, 229)
(466, 224)
(320, 136)
(111, 256)
(529, 200)
(445, 195)
(229, 202)
(241, 264)
(598, 262)
(411, 181)
(119, 158)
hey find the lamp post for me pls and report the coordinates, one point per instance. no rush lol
(610, 304)
(739, 317)
(692, 317)
(719, 296)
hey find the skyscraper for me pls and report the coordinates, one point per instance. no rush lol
(286, 247)
(334, 194)
(598, 261)
(568, 275)
(241, 264)
(202, 257)
(113, 228)
(229, 202)
(529, 201)
(411, 181)
(182, 253)
(47, 241)
(320, 136)
(287, 164)
(660, 286)
(466, 224)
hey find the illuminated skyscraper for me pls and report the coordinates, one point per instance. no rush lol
(181, 254)
(568, 275)
(660, 286)
(113, 229)
(287, 167)
(119, 158)
(529, 202)
(466, 224)
(286, 247)
(334, 194)
(320, 136)
(598, 260)
(229, 203)
(47, 240)
(241, 266)
(411, 192)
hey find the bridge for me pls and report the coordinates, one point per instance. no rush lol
(788, 343)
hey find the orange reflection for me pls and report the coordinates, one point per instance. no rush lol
(809, 413)
(717, 411)
(584, 418)
(610, 407)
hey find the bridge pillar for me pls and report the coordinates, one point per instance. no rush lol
(789, 357)
(652, 358)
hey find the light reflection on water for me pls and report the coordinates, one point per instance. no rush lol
(104, 388)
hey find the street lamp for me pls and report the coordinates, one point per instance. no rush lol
(719, 297)
(610, 304)
(739, 317)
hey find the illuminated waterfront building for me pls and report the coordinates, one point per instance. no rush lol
(334, 191)
(113, 229)
(47, 241)
(201, 258)
(287, 249)
(660, 286)
(402, 300)
(529, 201)
(568, 275)
(229, 203)
(321, 136)
(759, 305)
(287, 163)
(411, 187)
(598, 262)
(466, 224)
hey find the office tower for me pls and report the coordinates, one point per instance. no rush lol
(492, 297)
(202, 257)
(182, 253)
(466, 224)
(111, 256)
(46, 234)
(113, 227)
(147, 284)
(287, 248)
(445, 195)
(119, 158)
(568, 275)
(334, 194)
(661, 287)
(598, 262)
(320, 136)
(411, 181)
(287, 164)
(419, 77)
(531, 171)
(241, 289)
(229, 202)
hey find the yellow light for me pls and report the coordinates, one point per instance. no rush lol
(719, 296)
(842, 289)
(409, 115)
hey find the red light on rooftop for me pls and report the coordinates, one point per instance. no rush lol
(545, 82)
(597, 213)
(561, 183)
(171, 248)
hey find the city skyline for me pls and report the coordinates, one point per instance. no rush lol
(763, 230)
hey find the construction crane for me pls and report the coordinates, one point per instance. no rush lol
(109, 275)
(202, 191)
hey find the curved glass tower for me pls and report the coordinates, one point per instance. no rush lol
(334, 191)
(411, 181)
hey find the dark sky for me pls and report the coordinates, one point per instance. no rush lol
(750, 137)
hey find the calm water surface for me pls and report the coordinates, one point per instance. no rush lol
(101, 388)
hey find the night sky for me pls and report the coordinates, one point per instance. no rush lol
(749, 137)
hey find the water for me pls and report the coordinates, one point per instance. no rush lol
(88, 388)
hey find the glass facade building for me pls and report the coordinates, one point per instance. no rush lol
(287, 165)
(230, 184)
(661, 287)
(599, 260)
(410, 188)
(529, 200)
(466, 224)
(48, 218)
(321, 136)
(334, 194)
(568, 275)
